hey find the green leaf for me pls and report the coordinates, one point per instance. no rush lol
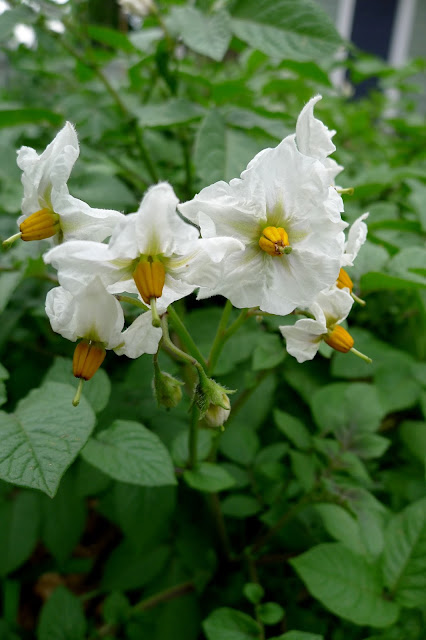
(210, 148)
(345, 408)
(208, 477)
(116, 608)
(20, 523)
(373, 281)
(304, 467)
(229, 624)
(18, 117)
(404, 557)
(64, 519)
(129, 452)
(239, 443)
(42, 438)
(397, 388)
(346, 584)
(341, 525)
(284, 28)
(268, 353)
(8, 283)
(293, 429)
(299, 635)
(180, 446)
(127, 569)
(110, 37)
(96, 391)
(170, 112)
(62, 617)
(206, 34)
(270, 613)
(253, 592)
(240, 506)
(413, 435)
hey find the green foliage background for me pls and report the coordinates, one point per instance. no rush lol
(306, 518)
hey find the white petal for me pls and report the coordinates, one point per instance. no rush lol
(60, 313)
(335, 304)
(79, 221)
(49, 170)
(312, 136)
(356, 238)
(159, 229)
(141, 337)
(303, 338)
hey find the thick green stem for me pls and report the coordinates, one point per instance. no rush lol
(193, 436)
(223, 334)
(185, 336)
(173, 349)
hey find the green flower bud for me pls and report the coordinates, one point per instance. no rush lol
(212, 401)
(167, 389)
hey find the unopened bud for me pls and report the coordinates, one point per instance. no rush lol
(216, 415)
(167, 389)
(212, 400)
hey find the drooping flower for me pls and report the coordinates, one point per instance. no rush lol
(153, 253)
(139, 8)
(286, 213)
(356, 238)
(49, 211)
(330, 308)
(95, 318)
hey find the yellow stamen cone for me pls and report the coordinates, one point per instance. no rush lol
(40, 225)
(274, 241)
(88, 357)
(339, 339)
(149, 278)
(343, 281)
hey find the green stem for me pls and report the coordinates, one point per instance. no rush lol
(135, 301)
(220, 338)
(193, 436)
(173, 349)
(220, 526)
(185, 336)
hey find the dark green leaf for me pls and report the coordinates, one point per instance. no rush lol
(18, 117)
(208, 477)
(62, 617)
(96, 391)
(20, 518)
(229, 624)
(293, 429)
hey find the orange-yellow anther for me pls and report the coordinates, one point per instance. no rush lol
(339, 339)
(149, 278)
(40, 225)
(274, 240)
(343, 281)
(88, 357)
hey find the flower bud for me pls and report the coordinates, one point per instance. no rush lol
(212, 400)
(167, 389)
(216, 415)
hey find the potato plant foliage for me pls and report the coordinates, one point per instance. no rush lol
(213, 487)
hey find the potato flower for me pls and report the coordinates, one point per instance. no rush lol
(49, 211)
(330, 308)
(153, 253)
(95, 318)
(287, 215)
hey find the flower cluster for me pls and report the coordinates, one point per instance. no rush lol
(272, 239)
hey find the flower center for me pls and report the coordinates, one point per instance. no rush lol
(40, 225)
(88, 357)
(149, 277)
(274, 241)
(343, 281)
(338, 338)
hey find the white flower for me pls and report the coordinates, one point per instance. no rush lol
(356, 237)
(286, 213)
(94, 315)
(139, 8)
(48, 208)
(329, 309)
(153, 253)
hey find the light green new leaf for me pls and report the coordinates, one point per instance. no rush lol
(346, 584)
(208, 477)
(206, 34)
(229, 624)
(129, 452)
(43, 437)
(285, 29)
(62, 617)
(404, 557)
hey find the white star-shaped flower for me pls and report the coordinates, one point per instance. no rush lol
(49, 211)
(153, 253)
(287, 215)
(330, 308)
